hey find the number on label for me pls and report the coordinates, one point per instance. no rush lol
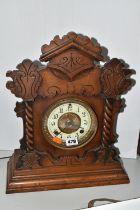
(71, 141)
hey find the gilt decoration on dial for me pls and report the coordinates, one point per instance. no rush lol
(69, 124)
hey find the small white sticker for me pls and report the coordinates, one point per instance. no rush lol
(70, 141)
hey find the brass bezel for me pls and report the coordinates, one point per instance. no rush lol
(86, 139)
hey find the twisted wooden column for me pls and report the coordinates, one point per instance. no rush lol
(107, 122)
(29, 126)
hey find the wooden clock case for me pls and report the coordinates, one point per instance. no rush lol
(73, 71)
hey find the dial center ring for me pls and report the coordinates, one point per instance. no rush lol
(69, 122)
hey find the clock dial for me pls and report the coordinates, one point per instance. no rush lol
(69, 124)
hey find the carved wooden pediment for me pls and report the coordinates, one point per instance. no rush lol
(71, 40)
(71, 55)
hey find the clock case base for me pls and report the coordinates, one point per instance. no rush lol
(54, 178)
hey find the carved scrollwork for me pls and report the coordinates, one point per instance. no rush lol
(107, 154)
(87, 90)
(69, 64)
(116, 78)
(103, 153)
(54, 91)
(28, 160)
(26, 80)
(84, 90)
(67, 160)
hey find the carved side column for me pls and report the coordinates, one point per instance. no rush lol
(29, 126)
(107, 122)
(24, 110)
(115, 80)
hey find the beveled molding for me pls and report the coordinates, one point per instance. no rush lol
(54, 178)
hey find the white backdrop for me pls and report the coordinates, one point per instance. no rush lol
(26, 25)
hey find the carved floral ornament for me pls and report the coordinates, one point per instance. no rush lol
(26, 80)
(116, 78)
(71, 55)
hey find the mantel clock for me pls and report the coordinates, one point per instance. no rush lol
(69, 110)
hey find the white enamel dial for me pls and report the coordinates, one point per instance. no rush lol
(69, 124)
